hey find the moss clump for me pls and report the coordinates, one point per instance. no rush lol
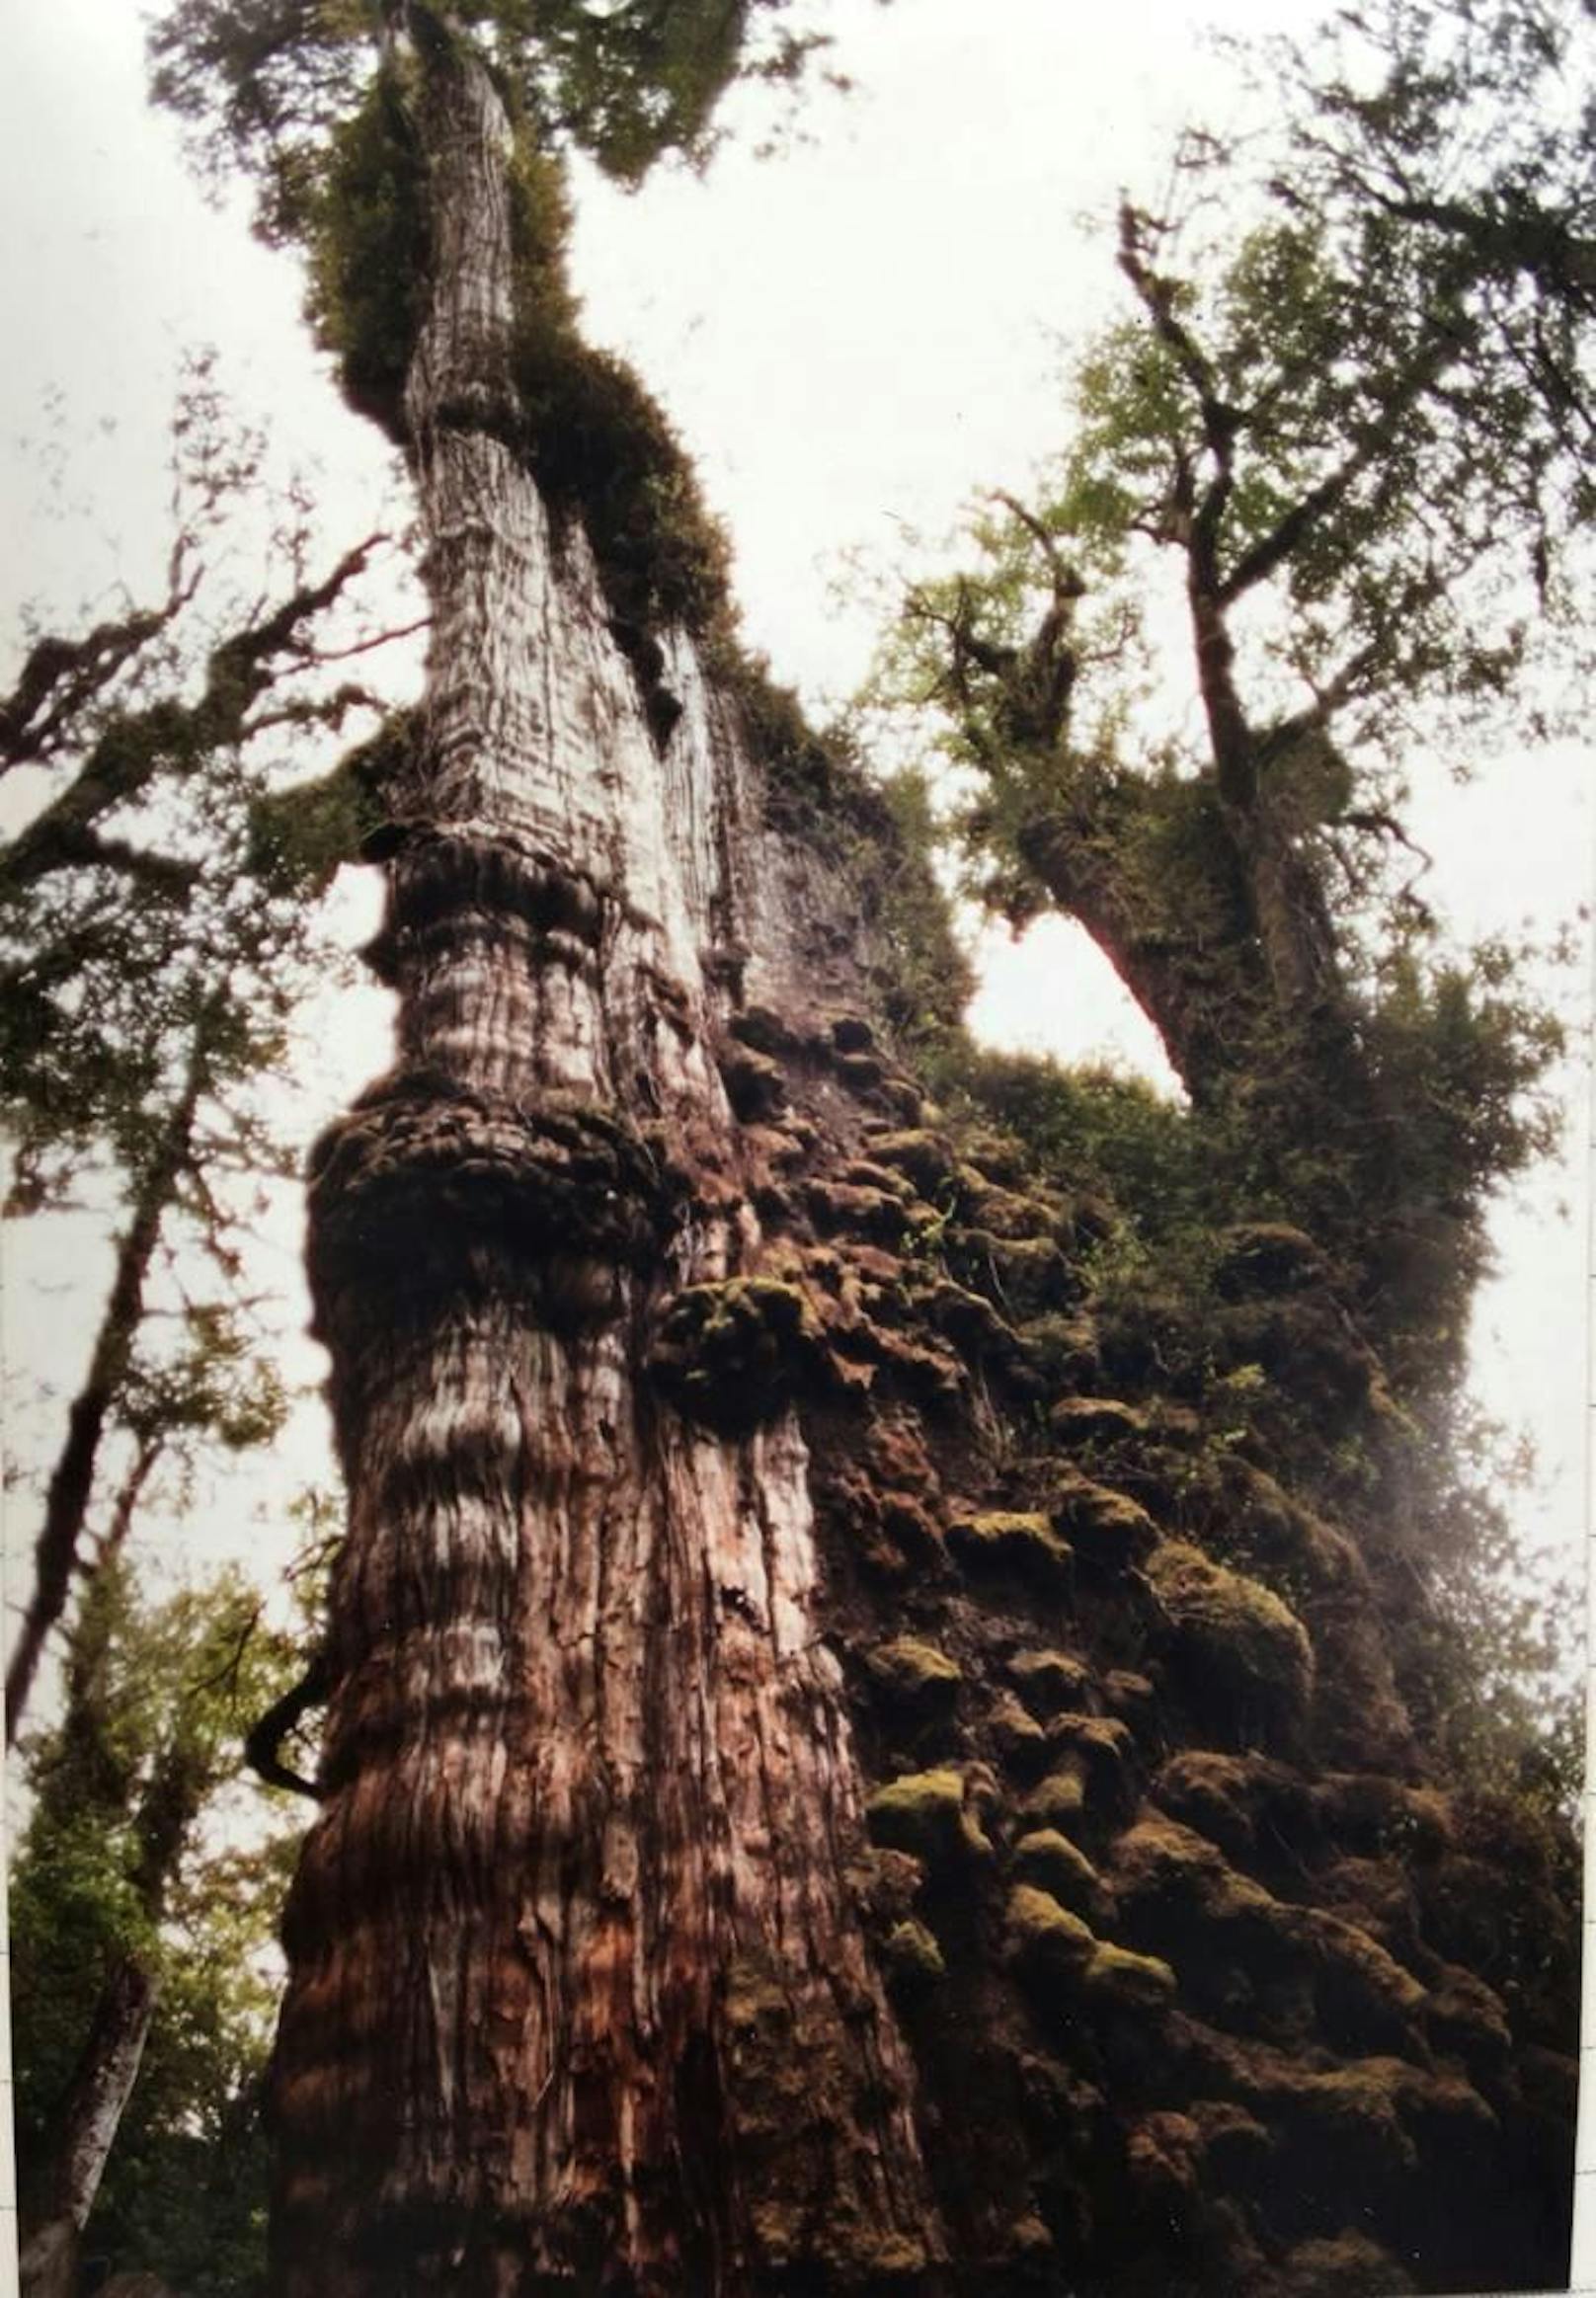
(734, 1354)
(1060, 1800)
(1062, 1351)
(915, 1680)
(1004, 1213)
(1266, 1257)
(1371, 1813)
(1081, 1420)
(1103, 1746)
(756, 1085)
(369, 251)
(1043, 1940)
(1244, 1658)
(1053, 1864)
(848, 1209)
(1050, 1683)
(1229, 1799)
(1009, 1541)
(925, 1813)
(926, 1158)
(913, 1960)
(1182, 1888)
(1134, 1699)
(1110, 1530)
(1119, 1980)
(1025, 1275)
(1364, 1999)
(600, 446)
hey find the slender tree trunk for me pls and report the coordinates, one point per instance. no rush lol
(576, 1999)
(100, 2089)
(66, 1502)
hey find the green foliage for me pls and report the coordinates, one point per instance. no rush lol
(925, 978)
(114, 1861)
(600, 447)
(366, 228)
(263, 84)
(1353, 425)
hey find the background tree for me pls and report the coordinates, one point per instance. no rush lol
(141, 1983)
(157, 931)
(1358, 426)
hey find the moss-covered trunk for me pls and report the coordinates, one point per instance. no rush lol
(577, 1999)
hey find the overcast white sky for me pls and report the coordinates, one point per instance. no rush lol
(853, 338)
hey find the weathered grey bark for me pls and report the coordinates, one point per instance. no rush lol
(576, 1999)
(108, 2068)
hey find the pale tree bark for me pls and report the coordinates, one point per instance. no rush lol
(100, 2089)
(577, 1997)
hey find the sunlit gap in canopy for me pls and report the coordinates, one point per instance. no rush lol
(1051, 990)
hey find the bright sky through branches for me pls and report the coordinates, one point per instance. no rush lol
(853, 338)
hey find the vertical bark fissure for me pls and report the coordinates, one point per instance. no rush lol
(585, 1756)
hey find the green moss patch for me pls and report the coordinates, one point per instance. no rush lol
(926, 1158)
(1049, 1682)
(1117, 1979)
(1267, 1256)
(1242, 1658)
(925, 1813)
(1013, 1541)
(1017, 1739)
(1111, 1532)
(1054, 1863)
(755, 1084)
(1060, 1800)
(1083, 1420)
(1026, 1277)
(913, 1960)
(1043, 1940)
(915, 1680)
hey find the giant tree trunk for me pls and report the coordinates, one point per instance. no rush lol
(576, 1999)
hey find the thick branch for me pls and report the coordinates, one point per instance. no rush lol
(136, 746)
(1293, 529)
(266, 1736)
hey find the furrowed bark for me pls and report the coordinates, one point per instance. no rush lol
(576, 1998)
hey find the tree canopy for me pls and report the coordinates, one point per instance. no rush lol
(1355, 422)
(264, 81)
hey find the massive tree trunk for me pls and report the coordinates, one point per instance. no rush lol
(576, 1998)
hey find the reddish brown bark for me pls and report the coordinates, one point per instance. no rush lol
(577, 1997)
